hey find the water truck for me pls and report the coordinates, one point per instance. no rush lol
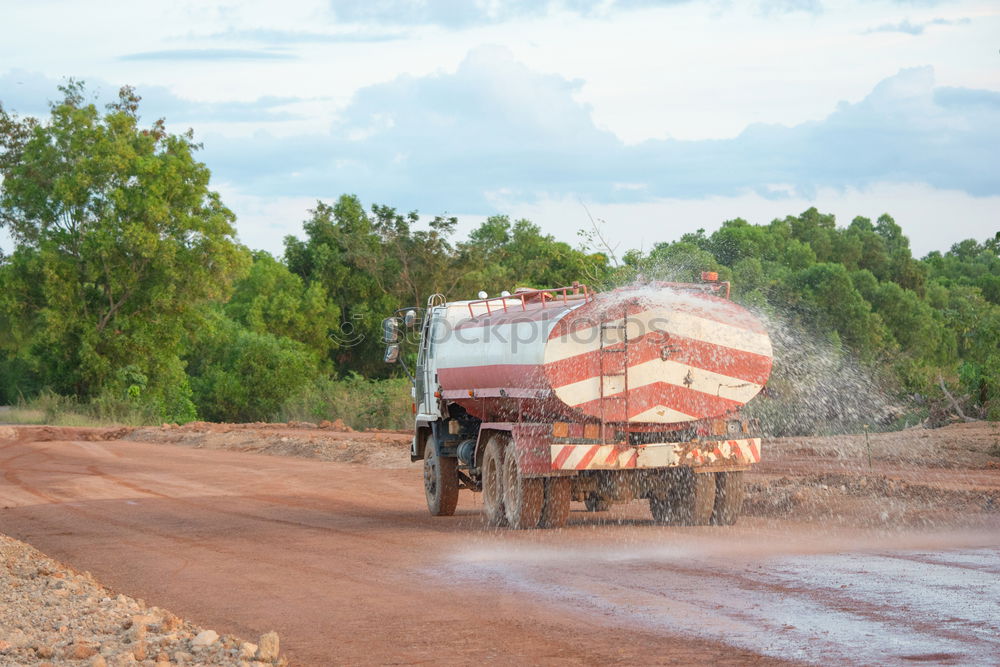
(547, 396)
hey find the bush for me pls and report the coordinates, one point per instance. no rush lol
(239, 375)
(361, 403)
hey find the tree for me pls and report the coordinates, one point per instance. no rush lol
(515, 254)
(118, 239)
(238, 375)
(344, 254)
(837, 305)
(272, 299)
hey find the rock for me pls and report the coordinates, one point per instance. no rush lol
(44, 651)
(248, 650)
(80, 651)
(98, 661)
(205, 638)
(182, 657)
(6, 645)
(17, 638)
(142, 619)
(169, 622)
(140, 652)
(268, 646)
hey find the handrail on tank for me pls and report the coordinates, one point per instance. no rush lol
(524, 296)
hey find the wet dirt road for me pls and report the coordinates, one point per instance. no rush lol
(344, 563)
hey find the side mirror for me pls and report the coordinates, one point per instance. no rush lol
(409, 318)
(391, 354)
(390, 330)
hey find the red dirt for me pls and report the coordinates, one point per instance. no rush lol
(338, 558)
(344, 562)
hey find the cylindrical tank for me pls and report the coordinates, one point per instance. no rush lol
(651, 354)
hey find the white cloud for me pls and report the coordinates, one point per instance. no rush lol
(496, 124)
(619, 102)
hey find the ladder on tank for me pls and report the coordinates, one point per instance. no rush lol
(612, 359)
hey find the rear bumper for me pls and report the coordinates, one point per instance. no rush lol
(716, 455)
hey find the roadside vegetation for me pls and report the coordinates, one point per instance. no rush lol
(128, 297)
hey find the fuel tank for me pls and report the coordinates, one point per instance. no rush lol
(663, 353)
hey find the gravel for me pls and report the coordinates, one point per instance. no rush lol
(52, 615)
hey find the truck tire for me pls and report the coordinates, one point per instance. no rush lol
(493, 482)
(728, 498)
(595, 503)
(684, 498)
(522, 496)
(555, 508)
(440, 482)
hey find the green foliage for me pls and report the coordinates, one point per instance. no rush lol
(118, 239)
(361, 403)
(518, 254)
(239, 375)
(827, 290)
(342, 253)
(859, 288)
(970, 264)
(272, 299)
(127, 297)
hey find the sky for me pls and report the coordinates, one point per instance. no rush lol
(646, 118)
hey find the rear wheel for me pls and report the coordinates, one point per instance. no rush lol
(522, 497)
(555, 508)
(440, 482)
(728, 498)
(683, 498)
(492, 482)
(596, 503)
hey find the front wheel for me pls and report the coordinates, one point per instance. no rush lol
(440, 482)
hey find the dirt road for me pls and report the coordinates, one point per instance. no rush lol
(342, 560)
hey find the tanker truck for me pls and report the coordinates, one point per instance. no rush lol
(547, 396)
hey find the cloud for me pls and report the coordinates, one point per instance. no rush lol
(908, 28)
(270, 36)
(496, 129)
(458, 14)
(773, 7)
(27, 94)
(208, 54)
(466, 13)
(966, 98)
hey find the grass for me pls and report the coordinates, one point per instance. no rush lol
(55, 410)
(28, 415)
(358, 402)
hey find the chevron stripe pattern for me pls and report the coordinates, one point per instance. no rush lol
(698, 356)
(657, 455)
